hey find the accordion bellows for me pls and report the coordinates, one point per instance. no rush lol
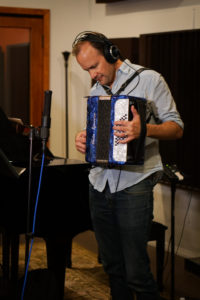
(102, 146)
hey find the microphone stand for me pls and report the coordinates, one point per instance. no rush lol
(66, 57)
(43, 134)
(28, 233)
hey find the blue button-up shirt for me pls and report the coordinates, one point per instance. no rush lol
(151, 86)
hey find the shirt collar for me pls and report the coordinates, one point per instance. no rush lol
(125, 68)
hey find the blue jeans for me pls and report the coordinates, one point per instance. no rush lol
(122, 223)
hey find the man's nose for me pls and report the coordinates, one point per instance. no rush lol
(93, 74)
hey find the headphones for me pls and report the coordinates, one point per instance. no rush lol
(110, 51)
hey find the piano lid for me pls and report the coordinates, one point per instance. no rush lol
(59, 161)
(7, 169)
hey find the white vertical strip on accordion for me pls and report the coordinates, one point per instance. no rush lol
(121, 113)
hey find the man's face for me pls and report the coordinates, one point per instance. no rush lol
(91, 60)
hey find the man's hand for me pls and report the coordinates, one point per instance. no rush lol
(128, 130)
(80, 141)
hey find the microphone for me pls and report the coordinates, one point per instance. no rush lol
(46, 119)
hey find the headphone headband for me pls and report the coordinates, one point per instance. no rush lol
(110, 51)
(89, 35)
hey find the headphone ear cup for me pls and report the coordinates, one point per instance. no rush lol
(111, 53)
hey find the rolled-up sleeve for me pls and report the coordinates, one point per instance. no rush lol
(164, 102)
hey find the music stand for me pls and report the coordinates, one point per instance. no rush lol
(173, 176)
(173, 191)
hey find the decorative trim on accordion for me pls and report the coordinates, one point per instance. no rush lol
(102, 146)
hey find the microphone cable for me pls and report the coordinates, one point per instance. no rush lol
(33, 226)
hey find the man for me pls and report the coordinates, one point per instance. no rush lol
(121, 199)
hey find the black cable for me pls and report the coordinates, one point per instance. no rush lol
(166, 260)
(138, 75)
(120, 169)
(186, 214)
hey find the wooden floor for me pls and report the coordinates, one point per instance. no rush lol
(87, 280)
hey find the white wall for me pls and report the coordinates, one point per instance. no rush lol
(134, 17)
(122, 19)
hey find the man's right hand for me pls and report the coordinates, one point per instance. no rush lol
(80, 141)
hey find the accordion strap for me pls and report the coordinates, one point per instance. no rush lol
(125, 84)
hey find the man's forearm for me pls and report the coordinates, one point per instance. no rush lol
(166, 131)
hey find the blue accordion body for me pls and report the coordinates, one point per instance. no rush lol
(102, 146)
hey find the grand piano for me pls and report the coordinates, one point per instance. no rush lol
(63, 208)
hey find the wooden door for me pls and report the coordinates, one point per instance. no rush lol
(37, 22)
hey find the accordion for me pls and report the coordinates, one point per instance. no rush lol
(102, 146)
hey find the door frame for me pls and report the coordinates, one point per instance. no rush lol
(36, 99)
